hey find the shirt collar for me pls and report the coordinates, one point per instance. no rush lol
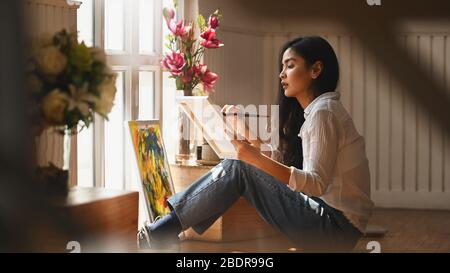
(334, 95)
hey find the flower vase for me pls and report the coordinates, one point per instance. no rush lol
(52, 160)
(186, 149)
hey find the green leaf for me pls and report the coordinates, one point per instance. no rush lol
(188, 55)
(179, 83)
(201, 22)
(218, 14)
(169, 37)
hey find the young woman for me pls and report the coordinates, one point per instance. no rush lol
(315, 188)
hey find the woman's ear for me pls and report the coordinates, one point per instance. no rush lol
(316, 69)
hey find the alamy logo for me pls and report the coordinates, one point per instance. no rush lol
(74, 246)
(373, 2)
(374, 246)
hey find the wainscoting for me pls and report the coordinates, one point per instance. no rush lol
(51, 15)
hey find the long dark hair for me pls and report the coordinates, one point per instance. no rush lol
(311, 49)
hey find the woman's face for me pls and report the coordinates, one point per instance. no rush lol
(295, 77)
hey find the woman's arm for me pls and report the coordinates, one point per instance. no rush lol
(241, 127)
(274, 168)
(322, 141)
(253, 156)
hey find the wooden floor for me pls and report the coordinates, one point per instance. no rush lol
(411, 230)
(408, 231)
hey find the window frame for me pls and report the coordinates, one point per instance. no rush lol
(131, 62)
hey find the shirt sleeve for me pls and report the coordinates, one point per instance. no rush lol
(320, 141)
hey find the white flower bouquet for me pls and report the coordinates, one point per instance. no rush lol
(69, 82)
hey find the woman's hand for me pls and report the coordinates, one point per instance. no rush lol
(247, 152)
(238, 124)
(233, 120)
(231, 109)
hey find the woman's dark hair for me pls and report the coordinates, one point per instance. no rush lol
(311, 49)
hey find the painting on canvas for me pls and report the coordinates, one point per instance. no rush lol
(155, 179)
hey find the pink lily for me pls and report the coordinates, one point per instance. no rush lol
(169, 14)
(188, 75)
(210, 40)
(216, 43)
(209, 79)
(208, 34)
(213, 22)
(199, 69)
(178, 29)
(174, 62)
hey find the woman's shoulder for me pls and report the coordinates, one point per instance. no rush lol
(331, 110)
(334, 107)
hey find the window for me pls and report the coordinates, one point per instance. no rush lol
(85, 148)
(131, 34)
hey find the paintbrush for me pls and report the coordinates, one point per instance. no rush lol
(244, 115)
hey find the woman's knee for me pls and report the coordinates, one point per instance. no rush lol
(233, 163)
(247, 173)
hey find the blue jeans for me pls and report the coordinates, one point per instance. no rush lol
(307, 221)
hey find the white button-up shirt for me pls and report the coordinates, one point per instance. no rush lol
(335, 166)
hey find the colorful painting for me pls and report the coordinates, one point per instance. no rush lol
(153, 166)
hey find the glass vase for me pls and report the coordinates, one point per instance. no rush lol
(52, 160)
(186, 141)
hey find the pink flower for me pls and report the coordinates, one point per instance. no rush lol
(178, 29)
(199, 69)
(194, 71)
(188, 75)
(187, 70)
(210, 40)
(213, 22)
(216, 43)
(209, 79)
(174, 62)
(169, 14)
(208, 34)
